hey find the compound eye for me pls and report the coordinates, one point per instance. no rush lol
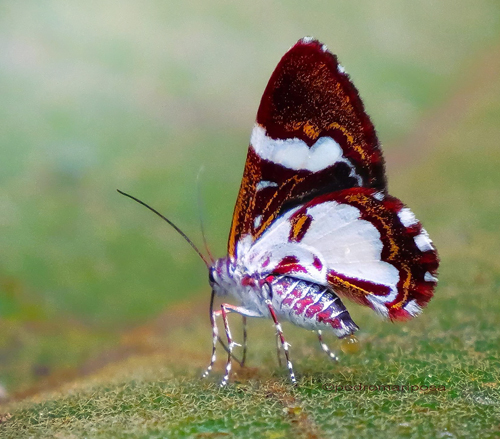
(211, 277)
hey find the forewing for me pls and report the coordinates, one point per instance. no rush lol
(311, 137)
(364, 244)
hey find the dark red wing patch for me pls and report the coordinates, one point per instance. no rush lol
(312, 137)
(310, 96)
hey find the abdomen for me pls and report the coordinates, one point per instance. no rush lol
(310, 306)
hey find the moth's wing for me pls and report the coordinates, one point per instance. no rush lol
(312, 136)
(364, 244)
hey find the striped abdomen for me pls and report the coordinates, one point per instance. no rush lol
(310, 306)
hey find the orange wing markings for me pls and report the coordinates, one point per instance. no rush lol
(245, 205)
(358, 294)
(284, 193)
(347, 287)
(300, 225)
(406, 287)
(369, 205)
(311, 130)
(339, 108)
(350, 140)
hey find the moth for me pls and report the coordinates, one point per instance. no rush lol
(313, 221)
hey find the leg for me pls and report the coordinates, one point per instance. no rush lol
(224, 311)
(235, 358)
(226, 308)
(278, 352)
(244, 321)
(325, 347)
(284, 344)
(215, 336)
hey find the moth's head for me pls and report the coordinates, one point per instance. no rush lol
(212, 276)
(221, 276)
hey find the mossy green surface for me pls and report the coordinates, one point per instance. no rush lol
(103, 96)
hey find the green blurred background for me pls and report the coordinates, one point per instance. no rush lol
(138, 96)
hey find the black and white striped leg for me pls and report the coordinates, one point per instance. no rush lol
(230, 343)
(215, 336)
(243, 359)
(225, 309)
(325, 348)
(284, 344)
(235, 358)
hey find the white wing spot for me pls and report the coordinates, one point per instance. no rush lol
(340, 68)
(307, 40)
(428, 277)
(265, 183)
(379, 196)
(257, 221)
(413, 308)
(296, 154)
(407, 217)
(423, 241)
(378, 307)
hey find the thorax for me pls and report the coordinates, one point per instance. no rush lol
(233, 279)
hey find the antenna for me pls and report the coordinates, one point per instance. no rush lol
(179, 231)
(200, 212)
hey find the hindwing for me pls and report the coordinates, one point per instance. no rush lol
(361, 243)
